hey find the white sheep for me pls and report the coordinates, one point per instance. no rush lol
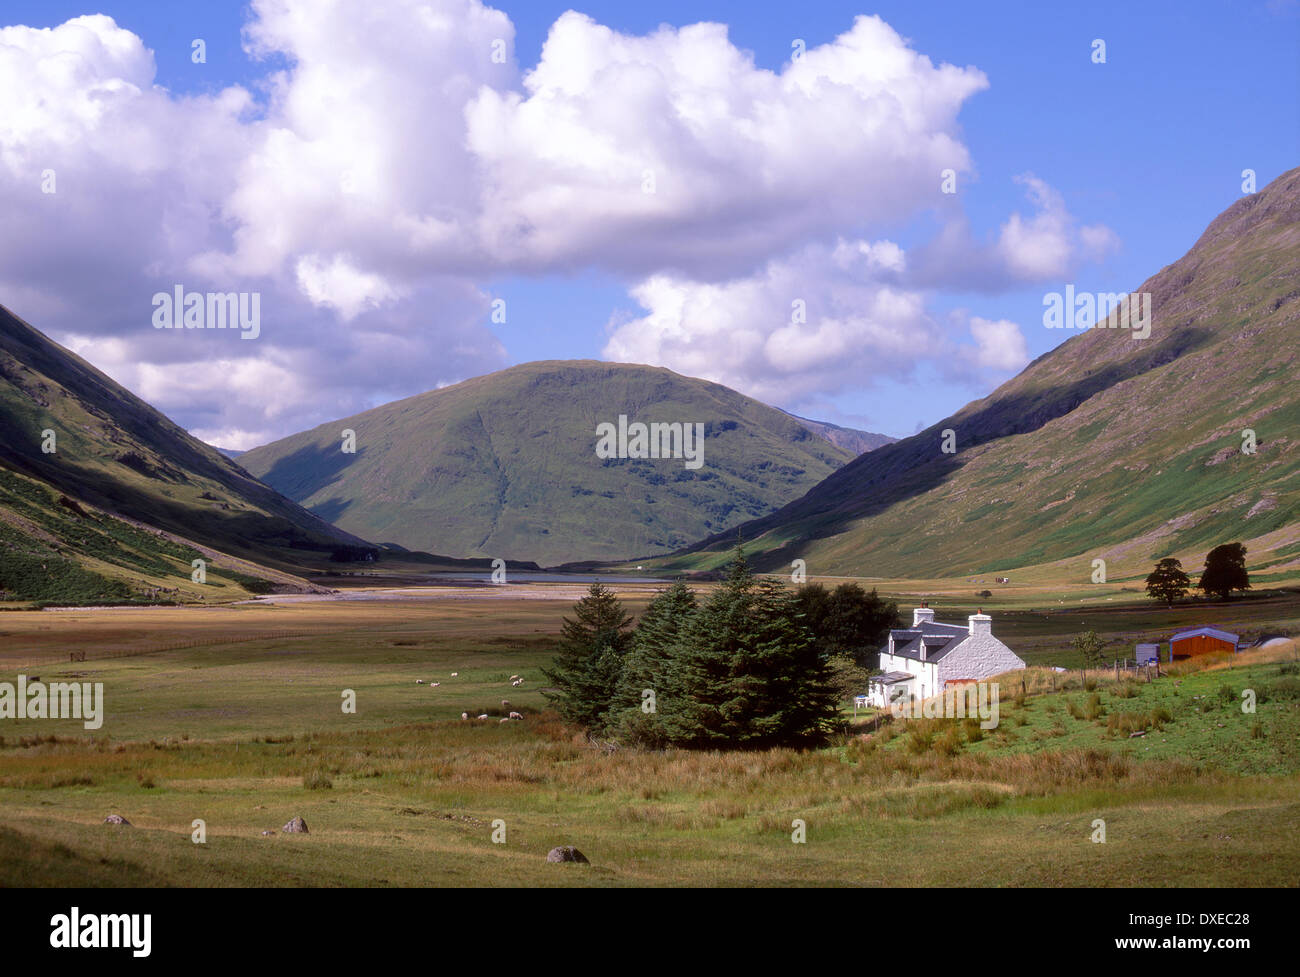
(505, 720)
(513, 677)
(464, 715)
(516, 715)
(517, 682)
(419, 681)
(484, 716)
(434, 685)
(454, 674)
(505, 704)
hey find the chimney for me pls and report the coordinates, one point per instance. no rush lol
(980, 623)
(922, 615)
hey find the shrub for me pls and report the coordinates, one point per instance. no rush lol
(1125, 690)
(949, 744)
(316, 780)
(920, 741)
(972, 729)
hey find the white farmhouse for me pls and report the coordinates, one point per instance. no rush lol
(923, 660)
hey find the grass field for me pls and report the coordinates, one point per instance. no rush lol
(243, 728)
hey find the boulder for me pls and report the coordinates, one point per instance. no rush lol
(566, 853)
(296, 826)
(117, 819)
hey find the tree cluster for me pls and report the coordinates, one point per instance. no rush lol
(1224, 572)
(752, 665)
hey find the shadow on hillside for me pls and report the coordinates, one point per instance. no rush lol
(305, 472)
(905, 469)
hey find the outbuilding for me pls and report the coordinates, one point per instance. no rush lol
(1203, 641)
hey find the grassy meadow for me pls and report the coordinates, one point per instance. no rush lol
(233, 715)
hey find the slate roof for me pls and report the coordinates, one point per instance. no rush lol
(939, 640)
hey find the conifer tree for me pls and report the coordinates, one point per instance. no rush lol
(587, 666)
(647, 666)
(746, 671)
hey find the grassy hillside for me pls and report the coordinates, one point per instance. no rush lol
(1107, 447)
(127, 498)
(505, 466)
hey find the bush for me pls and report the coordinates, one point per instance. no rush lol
(949, 744)
(316, 780)
(1125, 690)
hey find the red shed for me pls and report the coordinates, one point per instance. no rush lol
(1202, 641)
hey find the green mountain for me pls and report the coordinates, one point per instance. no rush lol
(505, 465)
(1109, 446)
(126, 500)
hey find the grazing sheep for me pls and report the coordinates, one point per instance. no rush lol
(516, 715)
(504, 720)
(419, 681)
(513, 677)
(464, 715)
(505, 704)
(517, 682)
(434, 685)
(454, 674)
(484, 716)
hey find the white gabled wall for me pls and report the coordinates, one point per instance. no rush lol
(979, 656)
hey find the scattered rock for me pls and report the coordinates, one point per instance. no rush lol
(268, 831)
(566, 853)
(1140, 732)
(296, 826)
(117, 819)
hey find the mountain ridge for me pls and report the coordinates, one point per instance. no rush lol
(869, 517)
(505, 464)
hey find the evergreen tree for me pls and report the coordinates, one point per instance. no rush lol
(586, 668)
(647, 666)
(746, 671)
(1225, 571)
(1168, 582)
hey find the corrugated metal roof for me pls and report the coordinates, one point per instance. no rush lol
(1211, 632)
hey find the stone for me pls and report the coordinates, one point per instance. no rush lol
(117, 819)
(296, 826)
(566, 853)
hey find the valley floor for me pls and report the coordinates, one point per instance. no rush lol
(232, 715)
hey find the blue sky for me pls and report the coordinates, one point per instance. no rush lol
(1149, 145)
